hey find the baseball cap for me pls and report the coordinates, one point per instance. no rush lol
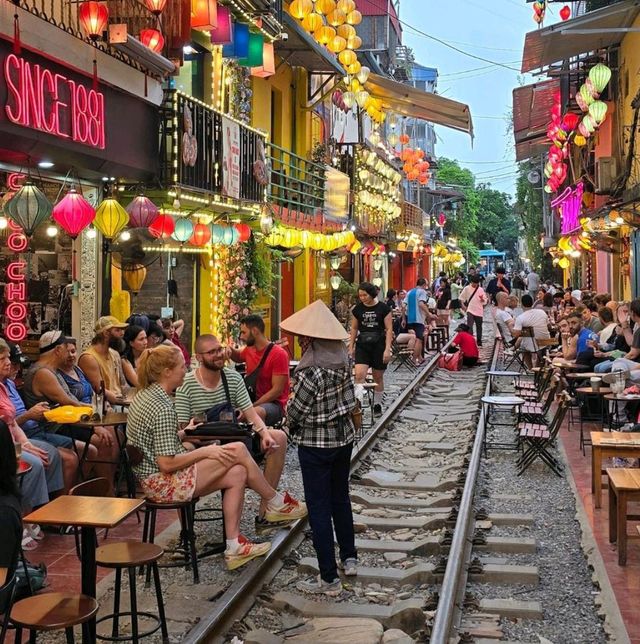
(16, 356)
(576, 295)
(108, 322)
(50, 340)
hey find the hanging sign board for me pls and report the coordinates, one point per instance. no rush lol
(230, 158)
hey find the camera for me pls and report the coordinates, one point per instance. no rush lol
(284, 36)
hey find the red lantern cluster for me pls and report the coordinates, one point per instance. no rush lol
(559, 130)
(415, 167)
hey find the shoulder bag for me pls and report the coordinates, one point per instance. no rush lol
(251, 379)
(467, 302)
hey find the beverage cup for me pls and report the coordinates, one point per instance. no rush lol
(595, 383)
(18, 447)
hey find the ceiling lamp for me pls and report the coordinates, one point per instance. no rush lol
(599, 75)
(142, 211)
(156, 7)
(152, 39)
(300, 9)
(111, 218)
(183, 230)
(28, 208)
(162, 227)
(74, 213)
(93, 17)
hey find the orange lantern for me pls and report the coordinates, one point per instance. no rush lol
(156, 7)
(325, 6)
(404, 139)
(93, 18)
(346, 31)
(413, 175)
(405, 155)
(268, 67)
(354, 43)
(336, 18)
(134, 276)
(204, 14)
(347, 57)
(354, 17)
(336, 44)
(312, 22)
(423, 179)
(201, 235)
(407, 167)
(152, 39)
(324, 34)
(300, 9)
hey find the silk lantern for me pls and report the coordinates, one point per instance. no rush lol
(354, 17)
(73, 213)
(324, 34)
(239, 46)
(244, 232)
(217, 233)
(28, 208)
(183, 230)
(254, 57)
(598, 111)
(268, 67)
(134, 276)
(162, 227)
(142, 211)
(204, 14)
(346, 31)
(312, 22)
(222, 34)
(201, 235)
(336, 18)
(230, 236)
(93, 17)
(347, 57)
(300, 9)
(111, 218)
(325, 6)
(152, 39)
(599, 75)
(156, 7)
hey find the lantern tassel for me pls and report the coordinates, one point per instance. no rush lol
(16, 35)
(95, 75)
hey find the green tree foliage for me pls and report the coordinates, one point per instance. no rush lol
(529, 207)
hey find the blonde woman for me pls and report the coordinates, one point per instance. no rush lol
(169, 472)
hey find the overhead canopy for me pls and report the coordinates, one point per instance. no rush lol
(301, 50)
(531, 114)
(416, 103)
(594, 30)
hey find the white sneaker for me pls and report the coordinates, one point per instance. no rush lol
(349, 567)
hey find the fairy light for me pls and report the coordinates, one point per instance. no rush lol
(175, 249)
(253, 21)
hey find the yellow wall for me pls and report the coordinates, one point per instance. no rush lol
(628, 87)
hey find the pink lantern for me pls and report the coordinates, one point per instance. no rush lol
(162, 227)
(73, 212)
(222, 34)
(142, 212)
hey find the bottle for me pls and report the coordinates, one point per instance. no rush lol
(100, 401)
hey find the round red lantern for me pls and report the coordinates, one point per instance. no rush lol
(201, 235)
(244, 230)
(156, 7)
(152, 39)
(404, 139)
(162, 227)
(93, 18)
(565, 12)
(73, 213)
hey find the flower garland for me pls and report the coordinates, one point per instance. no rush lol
(240, 91)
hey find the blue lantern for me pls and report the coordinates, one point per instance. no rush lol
(239, 46)
(183, 231)
(231, 236)
(217, 233)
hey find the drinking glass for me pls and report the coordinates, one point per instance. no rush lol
(18, 447)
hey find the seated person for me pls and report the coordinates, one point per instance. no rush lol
(43, 383)
(135, 340)
(408, 340)
(608, 333)
(101, 362)
(532, 318)
(272, 385)
(203, 388)
(568, 340)
(467, 343)
(77, 382)
(504, 319)
(156, 336)
(173, 331)
(585, 338)
(169, 472)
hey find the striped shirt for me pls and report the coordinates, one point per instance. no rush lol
(152, 427)
(193, 398)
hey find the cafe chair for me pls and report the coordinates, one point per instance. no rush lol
(52, 612)
(7, 596)
(129, 555)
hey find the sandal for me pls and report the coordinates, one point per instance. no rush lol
(35, 531)
(27, 542)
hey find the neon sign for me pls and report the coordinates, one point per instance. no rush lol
(569, 204)
(43, 100)
(15, 292)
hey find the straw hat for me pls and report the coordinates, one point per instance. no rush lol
(315, 321)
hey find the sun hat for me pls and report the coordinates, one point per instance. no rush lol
(577, 295)
(108, 322)
(315, 321)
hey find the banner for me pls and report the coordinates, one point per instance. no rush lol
(230, 158)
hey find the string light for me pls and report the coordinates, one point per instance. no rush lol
(254, 23)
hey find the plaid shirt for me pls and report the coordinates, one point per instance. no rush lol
(320, 413)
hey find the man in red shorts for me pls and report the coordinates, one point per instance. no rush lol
(267, 374)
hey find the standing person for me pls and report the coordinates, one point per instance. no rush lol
(268, 363)
(435, 287)
(173, 331)
(533, 283)
(456, 288)
(443, 302)
(518, 285)
(473, 300)
(417, 313)
(499, 284)
(391, 300)
(320, 421)
(370, 339)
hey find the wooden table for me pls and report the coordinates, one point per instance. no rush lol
(88, 513)
(616, 444)
(624, 486)
(602, 391)
(584, 375)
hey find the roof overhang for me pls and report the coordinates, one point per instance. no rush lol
(594, 30)
(415, 103)
(531, 113)
(301, 50)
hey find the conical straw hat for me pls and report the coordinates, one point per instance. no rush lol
(315, 321)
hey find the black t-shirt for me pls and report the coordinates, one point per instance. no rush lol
(445, 298)
(371, 318)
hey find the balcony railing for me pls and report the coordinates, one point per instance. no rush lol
(192, 148)
(297, 184)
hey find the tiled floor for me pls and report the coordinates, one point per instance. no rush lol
(625, 580)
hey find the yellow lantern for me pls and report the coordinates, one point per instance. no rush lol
(354, 43)
(346, 31)
(134, 276)
(324, 35)
(312, 22)
(354, 84)
(347, 57)
(579, 140)
(304, 238)
(111, 218)
(356, 247)
(336, 44)
(354, 17)
(325, 6)
(362, 96)
(336, 17)
(355, 67)
(563, 262)
(346, 5)
(300, 8)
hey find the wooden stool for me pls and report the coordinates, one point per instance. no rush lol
(435, 340)
(624, 487)
(52, 612)
(444, 330)
(187, 543)
(130, 555)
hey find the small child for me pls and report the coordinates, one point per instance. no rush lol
(467, 343)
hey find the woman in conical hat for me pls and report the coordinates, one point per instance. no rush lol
(320, 422)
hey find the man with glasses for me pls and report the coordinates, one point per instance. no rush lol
(203, 388)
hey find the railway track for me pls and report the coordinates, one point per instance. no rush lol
(413, 478)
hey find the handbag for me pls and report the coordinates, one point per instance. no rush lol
(251, 379)
(222, 412)
(369, 338)
(451, 361)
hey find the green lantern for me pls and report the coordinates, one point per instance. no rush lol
(598, 111)
(255, 57)
(586, 95)
(28, 208)
(599, 75)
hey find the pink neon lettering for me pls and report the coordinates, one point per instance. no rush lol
(16, 331)
(16, 291)
(16, 311)
(13, 271)
(17, 242)
(569, 203)
(14, 115)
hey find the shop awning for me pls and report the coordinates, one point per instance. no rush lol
(301, 50)
(416, 103)
(531, 114)
(594, 30)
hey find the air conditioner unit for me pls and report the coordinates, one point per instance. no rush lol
(606, 171)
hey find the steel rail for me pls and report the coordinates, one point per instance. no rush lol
(456, 570)
(237, 600)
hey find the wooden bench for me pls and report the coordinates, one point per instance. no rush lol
(624, 486)
(609, 445)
